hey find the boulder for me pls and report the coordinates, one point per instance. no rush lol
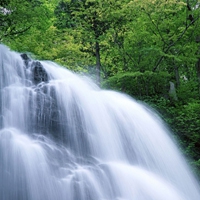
(39, 73)
(25, 58)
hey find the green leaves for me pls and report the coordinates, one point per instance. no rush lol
(141, 85)
(18, 16)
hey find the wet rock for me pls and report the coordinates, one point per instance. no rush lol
(25, 58)
(39, 73)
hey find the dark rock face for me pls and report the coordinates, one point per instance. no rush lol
(39, 73)
(25, 58)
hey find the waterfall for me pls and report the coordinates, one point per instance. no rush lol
(63, 138)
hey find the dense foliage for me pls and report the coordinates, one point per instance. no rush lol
(19, 16)
(149, 49)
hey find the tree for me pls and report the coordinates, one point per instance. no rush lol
(91, 20)
(18, 16)
(157, 36)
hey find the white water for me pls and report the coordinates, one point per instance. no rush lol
(66, 139)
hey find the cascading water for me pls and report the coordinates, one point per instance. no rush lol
(62, 138)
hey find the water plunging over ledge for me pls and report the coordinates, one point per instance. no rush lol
(62, 138)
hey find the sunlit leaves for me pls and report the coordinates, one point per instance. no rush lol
(20, 15)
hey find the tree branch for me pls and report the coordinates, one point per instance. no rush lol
(156, 26)
(17, 32)
(173, 43)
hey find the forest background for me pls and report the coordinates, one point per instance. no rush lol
(149, 49)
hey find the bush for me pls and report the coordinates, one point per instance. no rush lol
(140, 84)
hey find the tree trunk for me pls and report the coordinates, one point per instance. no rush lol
(198, 74)
(198, 64)
(98, 63)
(172, 91)
(176, 71)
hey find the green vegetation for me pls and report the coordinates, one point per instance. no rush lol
(149, 49)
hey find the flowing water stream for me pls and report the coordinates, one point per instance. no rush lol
(62, 138)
